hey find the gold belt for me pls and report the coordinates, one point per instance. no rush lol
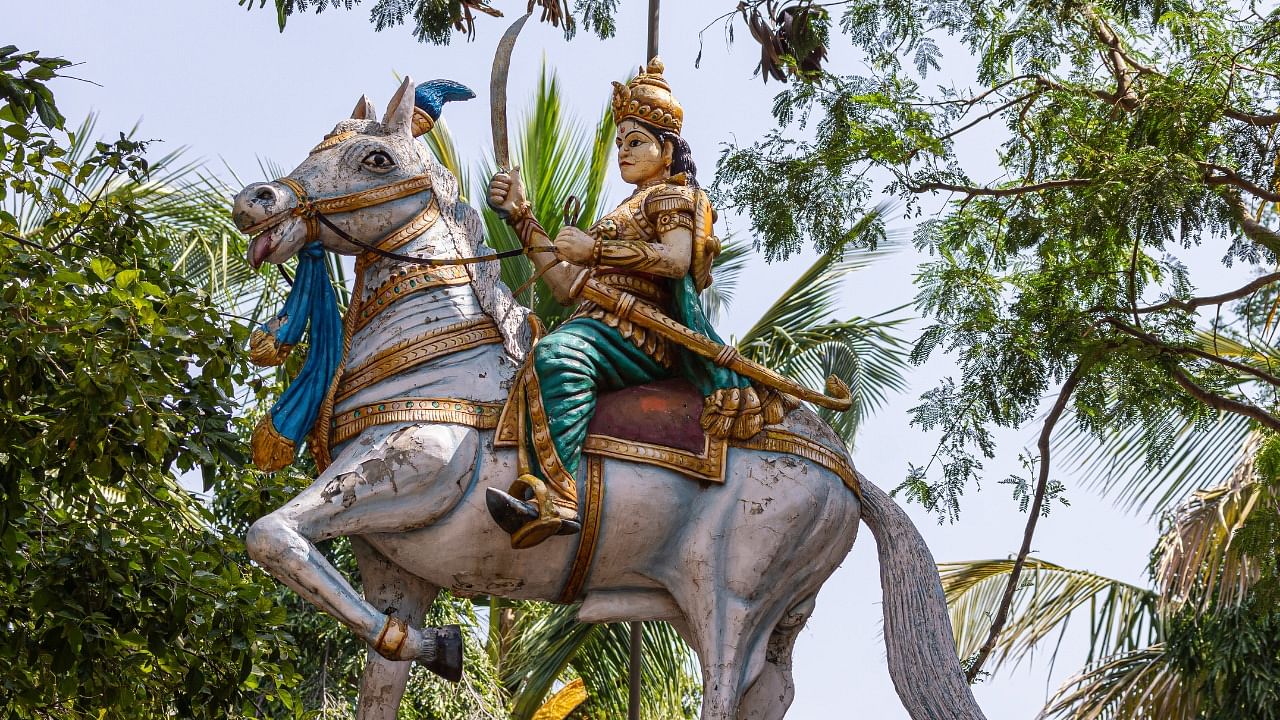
(416, 351)
(641, 287)
(483, 416)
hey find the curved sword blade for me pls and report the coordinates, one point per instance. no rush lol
(498, 93)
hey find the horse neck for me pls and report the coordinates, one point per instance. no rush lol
(396, 291)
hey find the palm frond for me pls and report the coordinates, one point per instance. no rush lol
(813, 297)
(1153, 468)
(185, 206)
(1198, 564)
(551, 645)
(725, 270)
(1138, 685)
(1122, 617)
(798, 336)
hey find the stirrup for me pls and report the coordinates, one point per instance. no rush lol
(549, 520)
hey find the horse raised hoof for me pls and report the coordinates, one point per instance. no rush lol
(442, 651)
(522, 521)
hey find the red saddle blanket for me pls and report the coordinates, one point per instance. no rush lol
(664, 413)
(657, 424)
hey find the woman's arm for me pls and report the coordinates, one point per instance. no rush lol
(507, 197)
(668, 258)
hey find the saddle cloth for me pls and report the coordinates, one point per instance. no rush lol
(656, 424)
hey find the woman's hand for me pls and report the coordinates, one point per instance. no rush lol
(575, 246)
(506, 192)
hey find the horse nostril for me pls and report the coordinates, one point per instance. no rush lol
(265, 195)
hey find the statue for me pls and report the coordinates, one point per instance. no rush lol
(723, 523)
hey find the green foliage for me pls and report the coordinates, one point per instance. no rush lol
(122, 595)
(549, 644)
(1232, 658)
(1259, 536)
(1128, 132)
(435, 21)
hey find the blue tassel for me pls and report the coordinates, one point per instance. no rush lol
(311, 302)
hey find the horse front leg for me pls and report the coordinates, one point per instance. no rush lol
(393, 478)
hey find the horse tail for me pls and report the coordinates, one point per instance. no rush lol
(917, 629)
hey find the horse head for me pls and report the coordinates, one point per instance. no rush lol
(374, 166)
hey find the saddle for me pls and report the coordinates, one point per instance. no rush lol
(655, 424)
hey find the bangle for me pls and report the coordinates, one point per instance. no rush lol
(596, 251)
(518, 213)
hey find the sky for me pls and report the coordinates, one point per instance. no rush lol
(219, 80)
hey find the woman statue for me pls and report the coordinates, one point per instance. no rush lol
(658, 247)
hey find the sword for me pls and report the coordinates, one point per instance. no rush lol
(498, 93)
(624, 305)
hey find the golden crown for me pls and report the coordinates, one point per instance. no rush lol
(648, 98)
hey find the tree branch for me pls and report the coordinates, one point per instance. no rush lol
(1258, 120)
(1193, 303)
(1252, 229)
(1227, 176)
(999, 192)
(1116, 57)
(1037, 504)
(1193, 351)
(1218, 402)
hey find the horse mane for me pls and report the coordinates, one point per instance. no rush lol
(467, 235)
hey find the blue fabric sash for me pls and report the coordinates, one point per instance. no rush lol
(311, 301)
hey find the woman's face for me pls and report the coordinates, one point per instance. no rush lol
(641, 156)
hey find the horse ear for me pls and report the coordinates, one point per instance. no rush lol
(364, 109)
(399, 115)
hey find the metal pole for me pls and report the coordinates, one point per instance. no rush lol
(637, 627)
(633, 687)
(653, 30)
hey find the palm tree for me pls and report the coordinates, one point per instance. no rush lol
(1206, 568)
(536, 647)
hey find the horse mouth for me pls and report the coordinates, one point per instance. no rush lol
(262, 245)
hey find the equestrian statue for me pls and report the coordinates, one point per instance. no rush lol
(628, 460)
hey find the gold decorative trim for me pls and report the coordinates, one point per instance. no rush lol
(408, 231)
(422, 122)
(590, 535)
(269, 449)
(483, 416)
(416, 351)
(780, 441)
(333, 141)
(265, 350)
(707, 466)
(563, 486)
(394, 632)
(372, 196)
(406, 283)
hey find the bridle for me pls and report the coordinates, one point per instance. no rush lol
(314, 212)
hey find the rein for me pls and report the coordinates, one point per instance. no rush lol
(312, 211)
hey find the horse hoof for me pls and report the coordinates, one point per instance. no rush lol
(510, 514)
(442, 651)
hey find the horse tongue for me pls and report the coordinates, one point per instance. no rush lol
(259, 248)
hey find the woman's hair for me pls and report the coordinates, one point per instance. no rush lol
(681, 156)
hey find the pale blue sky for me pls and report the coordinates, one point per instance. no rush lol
(209, 75)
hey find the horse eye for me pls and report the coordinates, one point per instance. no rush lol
(378, 161)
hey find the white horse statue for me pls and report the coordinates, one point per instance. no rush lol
(427, 355)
